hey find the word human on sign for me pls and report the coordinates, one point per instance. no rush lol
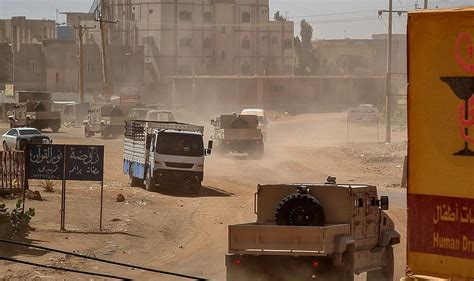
(45, 162)
(84, 162)
(65, 162)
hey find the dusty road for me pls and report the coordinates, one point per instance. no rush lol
(189, 234)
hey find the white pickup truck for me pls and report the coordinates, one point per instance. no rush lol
(164, 153)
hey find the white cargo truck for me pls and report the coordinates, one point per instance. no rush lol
(164, 153)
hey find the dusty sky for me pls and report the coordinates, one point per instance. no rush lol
(330, 18)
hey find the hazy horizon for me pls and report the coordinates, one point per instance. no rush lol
(331, 19)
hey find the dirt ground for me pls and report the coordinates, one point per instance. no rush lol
(187, 234)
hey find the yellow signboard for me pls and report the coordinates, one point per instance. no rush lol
(441, 143)
(9, 90)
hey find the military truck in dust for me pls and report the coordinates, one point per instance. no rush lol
(314, 232)
(238, 134)
(107, 120)
(35, 110)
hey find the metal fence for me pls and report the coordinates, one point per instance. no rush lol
(12, 170)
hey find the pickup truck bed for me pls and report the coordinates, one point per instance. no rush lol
(270, 239)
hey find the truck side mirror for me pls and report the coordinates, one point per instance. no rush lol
(210, 144)
(383, 203)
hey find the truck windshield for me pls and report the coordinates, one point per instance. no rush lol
(180, 144)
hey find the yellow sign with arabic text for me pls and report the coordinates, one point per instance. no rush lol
(9, 90)
(441, 143)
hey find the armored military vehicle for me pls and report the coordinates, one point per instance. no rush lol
(34, 109)
(107, 120)
(238, 134)
(324, 231)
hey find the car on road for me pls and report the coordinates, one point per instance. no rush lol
(17, 138)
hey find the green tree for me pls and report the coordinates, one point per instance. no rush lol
(278, 17)
(307, 64)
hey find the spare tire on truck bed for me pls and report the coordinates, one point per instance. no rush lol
(299, 209)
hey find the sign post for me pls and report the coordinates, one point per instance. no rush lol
(66, 162)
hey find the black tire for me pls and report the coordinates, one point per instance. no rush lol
(55, 128)
(345, 272)
(105, 133)
(257, 152)
(387, 272)
(5, 145)
(195, 188)
(150, 184)
(136, 182)
(299, 209)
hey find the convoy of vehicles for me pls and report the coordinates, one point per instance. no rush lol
(314, 232)
(106, 120)
(164, 153)
(17, 138)
(34, 109)
(238, 134)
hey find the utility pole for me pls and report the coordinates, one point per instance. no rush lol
(388, 128)
(82, 30)
(107, 87)
(388, 98)
(426, 4)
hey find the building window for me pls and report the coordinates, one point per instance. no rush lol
(150, 12)
(57, 77)
(223, 30)
(207, 17)
(264, 12)
(245, 43)
(89, 66)
(206, 43)
(185, 16)
(33, 66)
(185, 42)
(288, 44)
(124, 67)
(133, 16)
(245, 17)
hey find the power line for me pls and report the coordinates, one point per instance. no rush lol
(63, 269)
(102, 260)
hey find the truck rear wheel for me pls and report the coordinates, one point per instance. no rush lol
(299, 209)
(345, 272)
(387, 272)
(150, 184)
(55, 128)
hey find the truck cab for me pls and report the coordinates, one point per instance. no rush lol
(165, 153)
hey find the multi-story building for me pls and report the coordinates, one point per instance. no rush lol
(204, 37)
(19, 30)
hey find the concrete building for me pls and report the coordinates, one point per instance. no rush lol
(360, 57)
(205, 37)
(19, 30)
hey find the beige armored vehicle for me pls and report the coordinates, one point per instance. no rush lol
(238, 134)
(107, 120)
(34, 109)
(314, 232)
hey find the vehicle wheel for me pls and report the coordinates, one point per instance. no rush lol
(5, 145)
(149, 182)
(134, 182)
(55, 128)
(104, 132)
(195, 188)
(345, 272)
(257, 152)
(386, 273)
(299, 209)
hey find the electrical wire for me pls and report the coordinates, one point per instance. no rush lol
(63, 269)
(102, 260)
